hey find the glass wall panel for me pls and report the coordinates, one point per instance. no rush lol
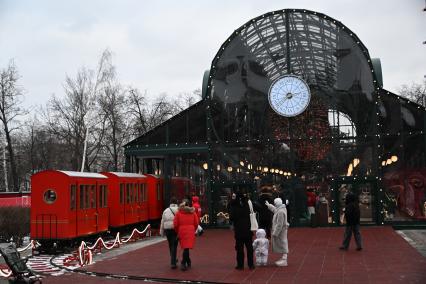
(403, 160)
(188, 178)
(404, 175)
(365, 196)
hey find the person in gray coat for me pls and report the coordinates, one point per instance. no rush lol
(279, 230)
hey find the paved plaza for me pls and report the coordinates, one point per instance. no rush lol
(314, 258)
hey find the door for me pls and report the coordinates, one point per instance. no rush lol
(365, 192)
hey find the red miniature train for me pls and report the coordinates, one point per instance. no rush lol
(69, 205)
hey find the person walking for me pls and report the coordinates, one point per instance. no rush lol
(167, 229)
(279, 230)
(352, 216)
(197, 208)
(185, 224)
(239, 215)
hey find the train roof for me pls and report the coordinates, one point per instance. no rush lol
(82, 174)
(123, 174)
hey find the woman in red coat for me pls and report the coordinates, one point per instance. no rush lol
(185, 224)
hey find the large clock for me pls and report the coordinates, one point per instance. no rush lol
(289, 95)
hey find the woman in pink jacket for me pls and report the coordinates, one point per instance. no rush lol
(185, 224)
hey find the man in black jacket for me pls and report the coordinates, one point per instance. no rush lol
(239, 215)
(265, 215)
(352, 215)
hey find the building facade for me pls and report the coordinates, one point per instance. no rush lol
(293, 103)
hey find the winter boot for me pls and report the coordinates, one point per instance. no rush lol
(282, 261)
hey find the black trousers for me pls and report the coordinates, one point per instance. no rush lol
(239, 247)
(185, 257)
(348, 234)
(173, 242)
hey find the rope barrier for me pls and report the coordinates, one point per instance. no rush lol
(5, 272)
(33, 245)
(85, 255)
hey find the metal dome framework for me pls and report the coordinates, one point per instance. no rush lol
(295, 41)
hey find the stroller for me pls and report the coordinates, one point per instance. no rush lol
(20, 272)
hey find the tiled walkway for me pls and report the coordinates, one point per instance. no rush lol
(416, 238)
(314, 258)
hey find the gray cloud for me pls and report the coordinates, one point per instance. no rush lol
(166, 46)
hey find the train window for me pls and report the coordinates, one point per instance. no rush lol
(49, 196)
(101, 196)
(81, 196)
(73, 196)
(127, 193)
(136, 191)
(105, 196)
(93, 196)
(121, 193)
(87, 196)
(144, 192)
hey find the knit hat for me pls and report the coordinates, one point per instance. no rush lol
(260, 233)
(278, 202)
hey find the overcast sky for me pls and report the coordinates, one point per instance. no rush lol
(165, 46)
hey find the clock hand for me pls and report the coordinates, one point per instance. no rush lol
(282, 102)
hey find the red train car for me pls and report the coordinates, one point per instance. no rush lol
(66, 205)
(128, 198)
(70, 205)
(155, 196)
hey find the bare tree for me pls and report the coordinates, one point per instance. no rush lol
(41, 149)
(112, 109)
(146, 116)
(71, 118)
(415, 92)
(187, 99)
(137, 108)
(65, 117)
(10, 109)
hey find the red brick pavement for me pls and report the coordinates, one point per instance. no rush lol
(314, 258)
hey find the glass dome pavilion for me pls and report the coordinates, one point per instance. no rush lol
(353, 136)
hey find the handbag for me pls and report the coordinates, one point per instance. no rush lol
(253, 221)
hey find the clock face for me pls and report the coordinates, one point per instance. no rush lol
(289, 95)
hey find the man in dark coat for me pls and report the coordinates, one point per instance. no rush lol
(239, 215)
(265, 215)
(352, 216)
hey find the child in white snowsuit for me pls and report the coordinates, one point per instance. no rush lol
(260, 247)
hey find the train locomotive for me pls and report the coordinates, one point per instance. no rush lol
(69, 206)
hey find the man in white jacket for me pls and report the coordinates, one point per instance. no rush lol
(167, 229)
(279, 230)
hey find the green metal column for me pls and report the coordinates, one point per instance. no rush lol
(209, 190)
